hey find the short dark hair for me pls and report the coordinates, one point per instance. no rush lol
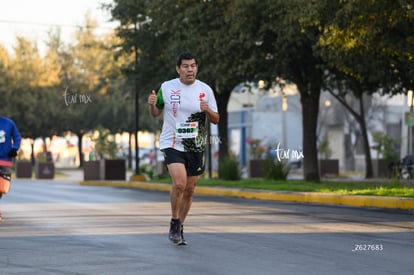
(185, 56)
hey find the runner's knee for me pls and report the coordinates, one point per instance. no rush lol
(189, 191)
(180, 186)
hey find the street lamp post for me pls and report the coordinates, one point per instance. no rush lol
(137, 26)
(136, 105)
(409, 128)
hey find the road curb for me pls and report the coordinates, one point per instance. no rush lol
(303, 197)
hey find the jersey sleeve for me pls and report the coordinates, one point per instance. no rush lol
(212, 103)
(16, 137)
(159, 103)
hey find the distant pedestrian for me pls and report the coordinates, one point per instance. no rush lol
(9, 145)
(152, 158)
(188, 105)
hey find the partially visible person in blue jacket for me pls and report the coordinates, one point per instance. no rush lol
(9, 144)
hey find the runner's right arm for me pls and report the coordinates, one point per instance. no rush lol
(153, 110)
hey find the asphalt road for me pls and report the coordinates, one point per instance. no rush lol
(59, 227)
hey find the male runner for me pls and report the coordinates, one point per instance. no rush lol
(188, 105)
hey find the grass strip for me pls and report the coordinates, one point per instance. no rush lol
(391, 188)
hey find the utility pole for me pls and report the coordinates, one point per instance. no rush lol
(137, 26)
(136, 104)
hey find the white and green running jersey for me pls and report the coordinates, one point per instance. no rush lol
(184, 127)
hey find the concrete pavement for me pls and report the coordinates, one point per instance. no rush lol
(61, 227)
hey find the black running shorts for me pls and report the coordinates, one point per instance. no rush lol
(194, 162)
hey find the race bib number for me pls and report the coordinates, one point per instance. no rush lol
(187, 130)
(2, 136)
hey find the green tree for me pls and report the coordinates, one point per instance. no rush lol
(73, 87)
(252, 40)
(92, 86)
(288, 32)
(345, 87)
(5, 80)
(374, 36)
(369, 47)
(28, 90)
(206, 28)
(146, 64)
(201, 31)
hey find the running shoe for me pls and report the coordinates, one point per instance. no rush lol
(183, 241)
(175, 235)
